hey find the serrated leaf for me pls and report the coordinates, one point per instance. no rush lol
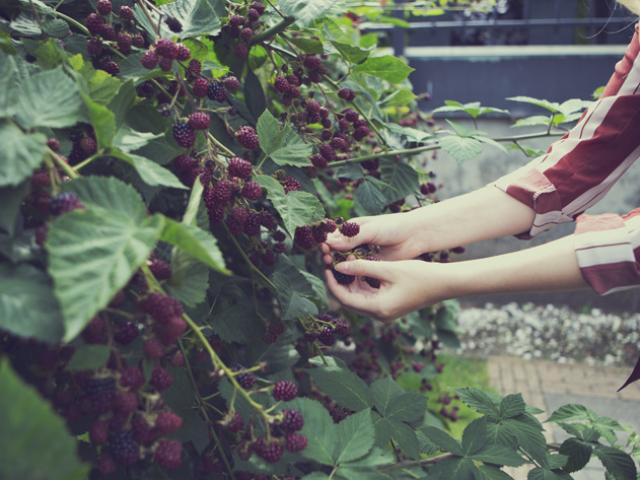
(461, 148)
(490, 472)
(343, 386)
(479, 401)
(533, 121)
(22, 153)
(89, 357)
(408, 407)
(404, 437)
(386, 67)
(108, 193)
(56, 27)
(354, 437)
(28, 307)
(499, 455)
(306, 12)
(41, 105)
(402, 178)
(443, 440)
(150, 172)
(189, 279)
(539, 473)
(570, 413)
(618, 463)
(103, 121)
(455, 468)
(93, 253)
(578, 454)
(281, 143)
(34, 441)
(512, 406)
(197, 17)
(319, 426)
(351, 53)
(370, 195)
(196, 242)
(553, 107)
(383, 391)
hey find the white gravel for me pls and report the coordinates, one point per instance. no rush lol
(551, 332)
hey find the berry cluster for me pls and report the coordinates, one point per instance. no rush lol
(242, 27)
(163, 53)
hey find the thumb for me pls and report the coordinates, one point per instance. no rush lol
(365, 268)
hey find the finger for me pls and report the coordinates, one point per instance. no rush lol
(325, 248)
(366, 268)
(347, 296)
(327, 259)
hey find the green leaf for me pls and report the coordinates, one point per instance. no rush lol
(196, 242)
(27, 305)
(553, 107)
(22, 153)
(89, 357)
(383, 391)
(533, 121)
(490, 472)
(399, 98)
(546, 474)
(189, 279)
(408, 407)
(404, 437)
(343, 386)
(499, 455)
(49, 99)
(479, 401)
(281, 142)
(306, 12)
(443, 440)
(370, 195)
(354, 437)
(150, 172)
(295, 208)
(578, 454)
(197, 17)
(254, 95)
(10, 202)
(34, 442)
(402, 178)
(455, 468)
(103, 121)
(128, 140)
(108, 193)
(512, 406)
(570, 413)
(386, 67)
(461, 148)
(618, 464)
(525, 431)
(93, 253)
(319, 426)
(351, 53)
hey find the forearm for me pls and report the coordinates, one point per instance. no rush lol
(480, 215)
(552, 266)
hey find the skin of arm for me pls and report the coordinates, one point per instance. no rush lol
(412, 284)
(480, 215)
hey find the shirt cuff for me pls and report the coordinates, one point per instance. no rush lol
(607, 248)
(531, 187)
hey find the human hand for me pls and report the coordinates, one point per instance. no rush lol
(405, 286)
(395, 235)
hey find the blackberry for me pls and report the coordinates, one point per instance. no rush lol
(168, 454)
(99, 432)
(194, 69)
(327, 152)
(125, 12)
(167, 48)
(293, 80)
(171, 331)
(313, 106)
(247, 137)
(241, 50)
(123, 447)
(252, 190)
(141, 430)
(88, 146)
(339, 143)
(165, 64)
(240, 168)
(349, 229)
(103, 7)
(267, 220)
(126, 333)
(246, 33)
(138, 40)
(132, 377)
(342, 327)
(303, 238)
(343, 278)
(167, 423)
(105, 464)
(95, 47)
(94, 23)
(312, 62)
(216, 92)
(326, 123)
(292, 420)
(126, 402)
(235, 424)
(290, 184)
(174, 24)
(318, 161)
(281, 85)
(184, 135)
(279, 236)
(329, 225)
(161, 307)
(160, 269)
(96, 331)
(124, 41)
(361, 132)
(236, 220)
(161, 379)
(258, 7)
(252, 225)
(231, 83)
(270, 451)
(285, 390)
(351, 115)
(269, 259)
(108, 32)
(153, 349)
(200, 87)
(64, 202)
(343, 125)
(296, 442)
(327, 336)
(246, 380)
(223, 191)
(279, 248)
(183, 53)
(253, 14)
(346, 94)
(236, 20)
(319, 234)
(199, 120)
(149, 59)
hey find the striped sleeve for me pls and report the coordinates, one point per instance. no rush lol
(608, 251)
(580, 168)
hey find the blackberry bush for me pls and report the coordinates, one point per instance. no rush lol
(171, 169)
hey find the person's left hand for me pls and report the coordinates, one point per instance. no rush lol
(405, 286)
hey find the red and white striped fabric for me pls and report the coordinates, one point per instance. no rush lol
(579, 169)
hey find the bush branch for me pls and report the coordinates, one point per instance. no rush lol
(273, 31)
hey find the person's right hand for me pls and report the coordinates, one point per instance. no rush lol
(396, 235)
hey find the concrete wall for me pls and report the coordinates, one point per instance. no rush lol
(460, 178)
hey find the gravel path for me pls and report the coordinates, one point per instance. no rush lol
(551, 332)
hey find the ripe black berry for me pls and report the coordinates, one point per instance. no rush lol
(271, 451)
(174, 24)
(94, 23)
(292, 421)
(223, 191)
(312, 62)
(194, 69)
(123, 447)
(216, 92)
(327, 336)
(246, 380)
(199, 120)
(327, 152)
(361, 132)
(184, 135)
(150, 59)
(252, 225)
(161, 379)
(168, 454)
(99, 432)
(64, 202)
(296, 442)
(318, 161)
(285, 390)
(350, 229)
(343, 278)
(126, 333)
(247, 137)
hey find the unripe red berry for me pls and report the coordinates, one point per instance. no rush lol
(240, 168)
(150, 59)
(126, 13)
(350, 229)
(161, 379)
(168, 454)
(231, 83)
(247, 137)
(346, 94)
(199, 120)
(200, 87)
(296, 442)
(99, 432)
(167, 423)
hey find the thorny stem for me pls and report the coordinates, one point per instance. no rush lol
(273, 31)
(205, 414)
(218, 364)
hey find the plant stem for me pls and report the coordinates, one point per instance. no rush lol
(87, 161)
(249, 262)
(273, 31)
(63, 165)
(220, 145)
(72, 21)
